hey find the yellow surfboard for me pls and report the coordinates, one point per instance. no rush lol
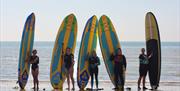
(66, 37)
(88, 44)
(109, 43)
(26, 48)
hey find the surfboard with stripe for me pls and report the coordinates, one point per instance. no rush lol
(66, 35)
(109, 43)
(153, 45)
(26, 48)
(88, 44)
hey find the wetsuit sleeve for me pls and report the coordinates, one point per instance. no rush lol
(141, 57)
(37, 61)
(98, 61)
(89, 60)
(111, 57)
(124, 61)
(72, 56)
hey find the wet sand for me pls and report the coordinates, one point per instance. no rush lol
(6, 85)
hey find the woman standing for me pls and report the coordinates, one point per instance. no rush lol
(120, 64)
(143, 68)
(94, 62)
(34, 60)
(69, 63)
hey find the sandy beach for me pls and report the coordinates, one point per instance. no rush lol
(6, 85)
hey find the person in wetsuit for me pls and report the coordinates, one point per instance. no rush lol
(143, 68)
(34, 60)
(69, 65)
(94, 62)
(119, 65)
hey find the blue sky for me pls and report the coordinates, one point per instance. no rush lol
(128, 17)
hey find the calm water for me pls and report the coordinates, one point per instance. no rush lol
(9, 54)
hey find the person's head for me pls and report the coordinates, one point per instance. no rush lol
(34, 52)
(68, 50)
(142, 50)
(94, 53)
(119, 51)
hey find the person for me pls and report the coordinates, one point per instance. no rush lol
(94, 62)
(69, 66)
(34, 60)
(143, 67)
(119, 65)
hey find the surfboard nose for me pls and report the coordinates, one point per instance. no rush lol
(103, 16)
(32, 15)
(94, 16)
(71, 15)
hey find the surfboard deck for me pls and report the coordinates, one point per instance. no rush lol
(153, 46)
(88, 44)
(66, 37)
(26, 48)
(109, 43)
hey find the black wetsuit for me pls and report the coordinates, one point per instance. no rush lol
(93, 68)
(118, 69)
(68, 60)
(35, 63)
(143, 62)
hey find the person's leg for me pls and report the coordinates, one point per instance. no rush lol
(122, 80)
(96, 77)
(120, 75)
(139, 81)
(68, 81)
(144, 81)
(37, 80)
(92, 78)
(140, 76)
(33, 74)
(72, 78)
(116, 78)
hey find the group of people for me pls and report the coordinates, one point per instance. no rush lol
(94, 61)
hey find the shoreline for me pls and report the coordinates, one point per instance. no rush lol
(10, 85)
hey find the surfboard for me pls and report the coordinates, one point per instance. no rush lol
(26, 48)
(153, 45)
(109, 43)
(66, 37)
(88, 44)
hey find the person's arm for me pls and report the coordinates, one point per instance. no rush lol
(37, 60)
(28, 57)
(150, 55)
(112, 57)
(124, 61)
(140, 56)
(98, 61)
(72, 59)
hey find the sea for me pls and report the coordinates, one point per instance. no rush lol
(170, 67)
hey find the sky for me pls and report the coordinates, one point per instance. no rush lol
(128, 17)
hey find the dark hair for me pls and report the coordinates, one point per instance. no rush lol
(34, 50)
(118, 49)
